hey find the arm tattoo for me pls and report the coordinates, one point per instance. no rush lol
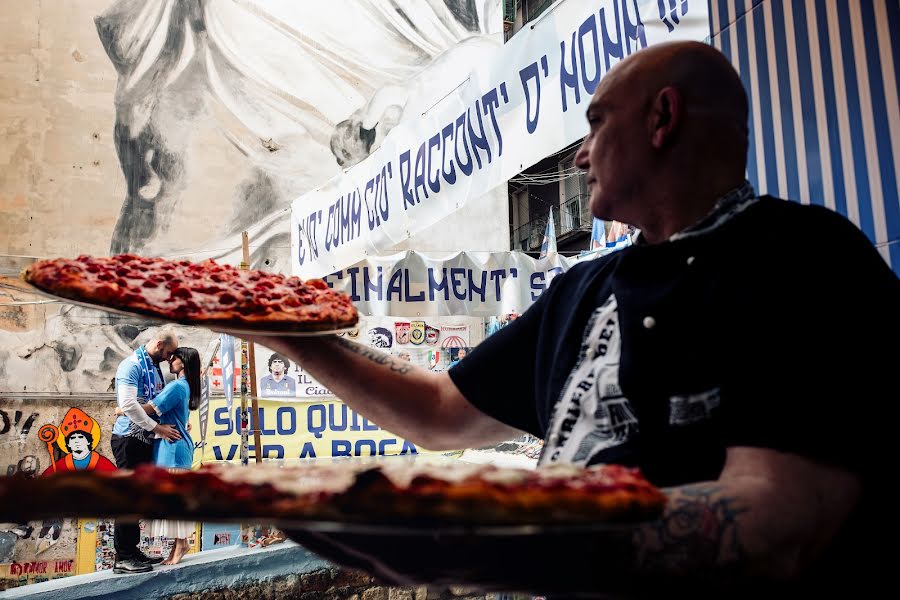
(697, 536)
(379, 358)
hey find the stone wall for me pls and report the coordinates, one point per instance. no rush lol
(338, 584)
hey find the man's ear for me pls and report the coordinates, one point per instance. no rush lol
(665, 116)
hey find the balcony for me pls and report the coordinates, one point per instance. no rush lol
(575, 215)
(571, 217)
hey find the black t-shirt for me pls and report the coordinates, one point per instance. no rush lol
(786, 310)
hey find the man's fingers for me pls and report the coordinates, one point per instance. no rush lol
(171, 433)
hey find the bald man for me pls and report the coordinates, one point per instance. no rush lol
(731, 353)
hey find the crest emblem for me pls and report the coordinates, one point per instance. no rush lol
(401, 332)
(417, 332)
(432, 334)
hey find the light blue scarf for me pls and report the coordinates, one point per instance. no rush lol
(147, 369)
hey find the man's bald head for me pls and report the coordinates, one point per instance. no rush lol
(162, 346)
(667, 119)
(708, 84)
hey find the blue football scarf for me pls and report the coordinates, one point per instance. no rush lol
(147, 368)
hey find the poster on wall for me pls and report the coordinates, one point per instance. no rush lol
(220, 535)
(291, 430)
(427, 342)
(433, 343)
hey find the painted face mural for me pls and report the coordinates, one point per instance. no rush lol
(76, 438)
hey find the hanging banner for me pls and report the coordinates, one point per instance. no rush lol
(296, 430)
(203, 409)
(226, 352)
(515, 108)
(478, 284)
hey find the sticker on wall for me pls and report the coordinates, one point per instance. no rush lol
(381, 337)
(432, 334)
(401, 332)
(434, 359)
(77, 437)
(417, 332)
(455, 336)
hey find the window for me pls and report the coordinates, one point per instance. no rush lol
(534, 8)
(574, 207)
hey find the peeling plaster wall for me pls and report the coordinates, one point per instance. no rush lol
(60, 182)
(68, 349)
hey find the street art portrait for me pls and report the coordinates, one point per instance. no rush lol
(76, 438)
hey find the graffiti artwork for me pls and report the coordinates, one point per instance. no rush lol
(77, 437)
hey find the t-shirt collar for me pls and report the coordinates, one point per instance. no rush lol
(728, 206)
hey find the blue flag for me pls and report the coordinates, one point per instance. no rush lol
(598, 235)
(548, 246)
(619, 235)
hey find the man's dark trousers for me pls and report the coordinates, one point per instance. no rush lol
(129, 452)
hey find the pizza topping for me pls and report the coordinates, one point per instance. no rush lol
(196, 293)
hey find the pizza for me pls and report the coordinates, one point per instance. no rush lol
(356, 491)
(204, 293)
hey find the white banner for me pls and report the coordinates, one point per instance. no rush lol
(515, 108)
(479, 284)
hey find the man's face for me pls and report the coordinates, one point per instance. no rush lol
(159, 351)
(79, 446)
(614, 152)
(277, 367)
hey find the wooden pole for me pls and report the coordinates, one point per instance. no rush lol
(254, 406)
(250, 372)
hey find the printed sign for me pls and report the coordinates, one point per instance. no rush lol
(297, 430)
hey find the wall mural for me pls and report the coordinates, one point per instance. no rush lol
(42, 436)
(71, 437)
(77, 437)
(240, 73)
(218, 127)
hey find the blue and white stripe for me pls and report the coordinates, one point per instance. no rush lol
(825, 119)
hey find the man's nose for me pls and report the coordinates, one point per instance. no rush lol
(581, 157)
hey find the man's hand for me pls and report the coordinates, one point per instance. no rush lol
(119, 411)
(167, 432)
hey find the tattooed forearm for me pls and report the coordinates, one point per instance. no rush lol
(698, 536)
(379, 358)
